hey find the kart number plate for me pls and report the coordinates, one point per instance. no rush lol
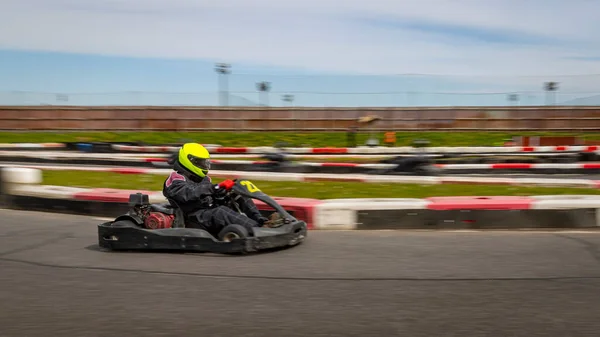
(249, 186)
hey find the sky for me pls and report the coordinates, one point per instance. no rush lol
(325, 52)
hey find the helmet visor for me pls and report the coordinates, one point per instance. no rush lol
(202, 163)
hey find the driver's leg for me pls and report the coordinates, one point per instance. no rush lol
(219, 217)
(249, 208)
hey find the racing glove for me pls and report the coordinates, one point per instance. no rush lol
(226, 184)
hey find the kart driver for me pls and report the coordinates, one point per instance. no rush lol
(191, 188)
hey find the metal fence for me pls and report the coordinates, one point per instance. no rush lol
(297, 118)
(342, 91)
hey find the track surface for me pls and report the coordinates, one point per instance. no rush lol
(54, 282)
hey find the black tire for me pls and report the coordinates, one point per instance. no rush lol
(233, 232)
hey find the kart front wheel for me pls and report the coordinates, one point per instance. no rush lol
(232, 232)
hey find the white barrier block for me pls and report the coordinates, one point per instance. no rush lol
(466, 166)
(381, 150)
(425, 180)
(21, 175)
(565, 201)
(307, 163)
(334, 217)
(157, 198)
(297, 150)
(377, 166)
(341, 214)
(545, 149)
(316, 177)
(164, 172)
(238, 162)
(554, 182)
(476, 180)
(557, 166)
(46, 191)
(262, 149)
(265, 176)
(369, 204)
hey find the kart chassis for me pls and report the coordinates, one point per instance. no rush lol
(127, 232)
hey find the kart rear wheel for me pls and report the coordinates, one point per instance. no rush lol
(232, 232)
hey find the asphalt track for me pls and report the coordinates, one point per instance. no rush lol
(55, 282)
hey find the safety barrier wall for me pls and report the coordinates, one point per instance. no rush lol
(307, 119)
(22, 190)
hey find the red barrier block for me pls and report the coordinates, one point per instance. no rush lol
(517, 166)
(108, 195)
(128, 170)
(332, 150)
(339, 164)
(231, 150)
(474, 202)
(300, 208)
(591, 166)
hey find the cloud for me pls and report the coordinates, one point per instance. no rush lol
(459, 37)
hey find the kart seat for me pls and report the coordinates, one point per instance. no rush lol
(179, 221)
(163, 208)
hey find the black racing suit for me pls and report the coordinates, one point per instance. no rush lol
(195, 197)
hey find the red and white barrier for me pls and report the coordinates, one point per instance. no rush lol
(99, 157)
(349, 214)
(368, 150)
(32, 145)
(521, 166)
(316, 177)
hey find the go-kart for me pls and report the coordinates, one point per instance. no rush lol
(149, 226)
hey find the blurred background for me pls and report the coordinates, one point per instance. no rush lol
(227, 88)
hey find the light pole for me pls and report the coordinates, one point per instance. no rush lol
(223, 69)
(514, 98)
(550, 88)
(288, 98)
(263, 92)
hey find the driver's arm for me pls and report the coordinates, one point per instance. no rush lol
(188, 192)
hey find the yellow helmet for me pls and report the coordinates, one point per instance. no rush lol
(195, 158)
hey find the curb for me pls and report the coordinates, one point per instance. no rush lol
(21, 190)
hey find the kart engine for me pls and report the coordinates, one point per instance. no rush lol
(157, 220)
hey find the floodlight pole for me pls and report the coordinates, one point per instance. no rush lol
(550, 88)
(263, 92)
(223, 69)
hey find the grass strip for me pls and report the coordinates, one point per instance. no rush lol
(317, 190)
(251, 139)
